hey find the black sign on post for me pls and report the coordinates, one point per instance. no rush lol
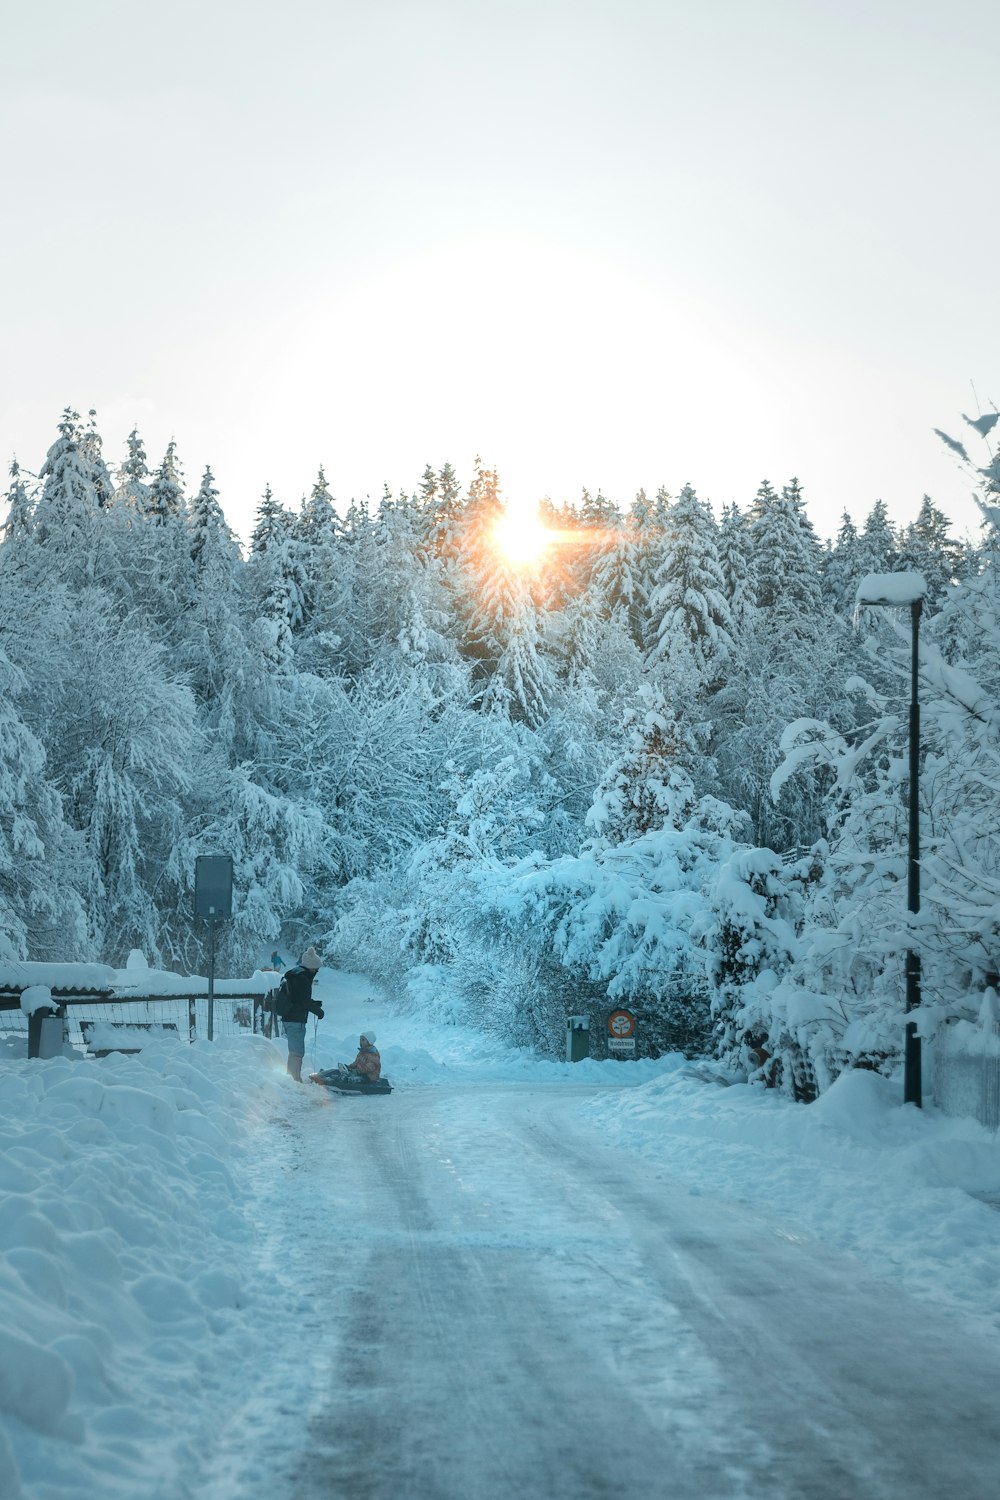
(213, 898)
(213, 885)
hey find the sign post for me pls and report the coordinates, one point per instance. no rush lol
(621, 1033)
(213, 898)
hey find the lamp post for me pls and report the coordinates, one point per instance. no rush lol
(213, 898)
(897, 591)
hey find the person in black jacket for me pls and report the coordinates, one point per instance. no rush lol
(298, 981)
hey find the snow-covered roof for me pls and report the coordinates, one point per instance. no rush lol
(136, 979)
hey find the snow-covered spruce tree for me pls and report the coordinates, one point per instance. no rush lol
(145, 560)
(520, 680)
(441, 513)
(770, 682)
(428, 489)
(594, 655)
(749, 928)
(617, 585)
(928, 548)
(688, 598)
(225, 672)
(647, 786)
(842, 998)
(328, 563)
(361, 617)
(320, 530)
(63, 518)
(599, 522)
(790, 659)
(165, 498)
(407, 593)
(277, 582)
(41, 913)
(787, 563)
(844, 566)
(78, 536)
(133, 490)
(736, 561)
(574, 740)
(652, 527)
(19, 507)
(478, 571)
(92, 445)
(879, 544)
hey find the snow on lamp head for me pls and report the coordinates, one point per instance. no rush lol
(891, 589)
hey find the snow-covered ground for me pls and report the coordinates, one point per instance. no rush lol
(166, 1221)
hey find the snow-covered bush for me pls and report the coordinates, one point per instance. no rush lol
(749, 930)
(622, 916)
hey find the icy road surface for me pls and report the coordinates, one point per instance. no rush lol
(484, 1300)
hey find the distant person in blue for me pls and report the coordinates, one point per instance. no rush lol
(277, 962)
(298, 983)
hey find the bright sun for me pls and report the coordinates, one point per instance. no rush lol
(521, 538)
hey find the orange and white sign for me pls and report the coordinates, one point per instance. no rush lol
(621, 1024)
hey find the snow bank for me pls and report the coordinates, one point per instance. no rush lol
(125, 1294)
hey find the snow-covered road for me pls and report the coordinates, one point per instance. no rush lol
(484, 1299)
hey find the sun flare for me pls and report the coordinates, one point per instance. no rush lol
(521, 538)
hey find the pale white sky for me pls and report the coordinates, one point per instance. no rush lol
(615, 244)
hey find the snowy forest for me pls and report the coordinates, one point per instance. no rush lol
(662, 765)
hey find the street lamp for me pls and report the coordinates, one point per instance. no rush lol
(896, 591)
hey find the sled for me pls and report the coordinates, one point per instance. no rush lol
(342, 1082)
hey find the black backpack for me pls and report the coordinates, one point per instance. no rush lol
(281, 1000)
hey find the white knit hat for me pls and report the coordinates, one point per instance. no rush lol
(311, 959)
(369, 1037)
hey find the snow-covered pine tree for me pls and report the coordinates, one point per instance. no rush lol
(19, 505)
(648, 785)
(223, 672)
(277, 582)
(440, 510)
(749, 929)
(736, 560)
(520, 681)
(165, 500)
(879, 543)
(787, 563)
(41, 913)
(92, 445)
(326, 572)
(928, 548)
(427, 493)
(133, 490)
(63, 520)
(616, 579)
(211, 540)
(689, 592)
(843, 568)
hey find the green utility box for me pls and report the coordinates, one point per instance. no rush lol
(577, 1038)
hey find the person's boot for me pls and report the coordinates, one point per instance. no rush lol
(294, 1066)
